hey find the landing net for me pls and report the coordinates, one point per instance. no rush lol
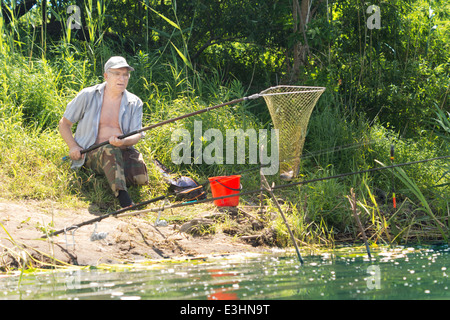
(290, 108)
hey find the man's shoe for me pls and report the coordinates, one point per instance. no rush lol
(124, 199)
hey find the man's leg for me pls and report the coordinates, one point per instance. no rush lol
(134, 167)
(108, 161)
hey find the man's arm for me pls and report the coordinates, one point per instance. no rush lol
(65, 129)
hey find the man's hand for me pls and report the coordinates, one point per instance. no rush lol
(75, 153)
(66, 133)
(116, 142)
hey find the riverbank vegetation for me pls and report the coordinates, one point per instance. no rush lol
(385, 87)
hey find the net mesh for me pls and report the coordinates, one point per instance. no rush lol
(290, 108)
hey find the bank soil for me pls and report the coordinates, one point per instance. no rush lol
(209, 231)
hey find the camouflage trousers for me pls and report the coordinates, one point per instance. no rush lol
(121, 167)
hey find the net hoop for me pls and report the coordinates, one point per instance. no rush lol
(296, 90)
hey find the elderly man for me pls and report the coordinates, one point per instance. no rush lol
(103, 113)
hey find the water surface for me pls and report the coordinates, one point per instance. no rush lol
(392, 273)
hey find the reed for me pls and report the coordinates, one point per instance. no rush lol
(400, 173)
(443, 120)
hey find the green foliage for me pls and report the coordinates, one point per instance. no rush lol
(394, 74)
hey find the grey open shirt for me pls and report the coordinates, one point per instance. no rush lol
(85, 109)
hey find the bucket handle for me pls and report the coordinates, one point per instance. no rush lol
(228, 186)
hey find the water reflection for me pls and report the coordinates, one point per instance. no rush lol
(400, 273)
(226, 285)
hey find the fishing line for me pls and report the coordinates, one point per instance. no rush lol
(338, 148)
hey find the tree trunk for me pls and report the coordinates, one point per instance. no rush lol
(44, 26)
(301, 12)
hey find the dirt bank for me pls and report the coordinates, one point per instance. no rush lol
(128, 239)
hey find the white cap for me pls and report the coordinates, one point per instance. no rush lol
(117, 62)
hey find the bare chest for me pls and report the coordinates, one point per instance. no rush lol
(109, 116)
(108, 125)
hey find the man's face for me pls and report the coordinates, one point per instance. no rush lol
(117, 79)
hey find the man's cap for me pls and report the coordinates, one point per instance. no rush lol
(117, 62)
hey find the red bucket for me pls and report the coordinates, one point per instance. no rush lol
(224, 186)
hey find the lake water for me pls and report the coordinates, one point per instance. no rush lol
(347, 273)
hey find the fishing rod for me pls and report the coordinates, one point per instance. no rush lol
(244, 193)
(269, 189)
(360, 172)
(120, 211)
(100, 218)
(123, 136)
(352, 200)
(123, 213)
